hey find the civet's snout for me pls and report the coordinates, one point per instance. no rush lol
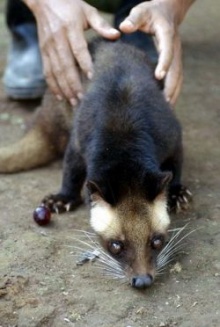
(142, 281)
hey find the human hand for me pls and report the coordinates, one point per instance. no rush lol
(61, 25)
(159, 18)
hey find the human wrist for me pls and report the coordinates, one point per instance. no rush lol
(32, 4)
(177, 8)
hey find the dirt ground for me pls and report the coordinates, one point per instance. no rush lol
(40, 284)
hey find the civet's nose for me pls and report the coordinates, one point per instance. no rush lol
(142, 281)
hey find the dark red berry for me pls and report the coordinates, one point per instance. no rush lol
(42, 215)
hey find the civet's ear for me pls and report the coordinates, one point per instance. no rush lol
(156, 183)
(94, 188)
(99, 191)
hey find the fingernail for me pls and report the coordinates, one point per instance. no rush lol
(114, 31)
(128, 23)
(73, 102)
(162, 74)
(59, 97)
(90, 75)
(80, 95)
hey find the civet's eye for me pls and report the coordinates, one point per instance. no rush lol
(115, 247)
(157, 242)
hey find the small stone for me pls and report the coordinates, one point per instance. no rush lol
(177, 268)
(88, 256)
(140, 311)
(194, 304)
(75, 316)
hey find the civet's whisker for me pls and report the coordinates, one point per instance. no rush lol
(92, 251)
(108, 265)
(171, 249)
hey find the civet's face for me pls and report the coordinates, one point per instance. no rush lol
(133, 232)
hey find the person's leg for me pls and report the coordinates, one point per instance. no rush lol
(23, 76)
(139, 39)
(18, 13)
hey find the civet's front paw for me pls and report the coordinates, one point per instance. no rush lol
(179, 198)
(60, 203)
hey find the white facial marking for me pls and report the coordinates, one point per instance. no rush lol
(160, 217)
(104, 220)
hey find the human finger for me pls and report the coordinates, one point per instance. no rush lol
(164, 35)
(174, 76)
(80, 51)
(65, 69)
(100, 25)
(51, 80)
(176, 93)
(138, 16)
(149, 20)
(61, 78)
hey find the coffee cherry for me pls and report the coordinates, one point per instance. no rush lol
(42, 215)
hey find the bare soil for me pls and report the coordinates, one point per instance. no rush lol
(40, 284)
